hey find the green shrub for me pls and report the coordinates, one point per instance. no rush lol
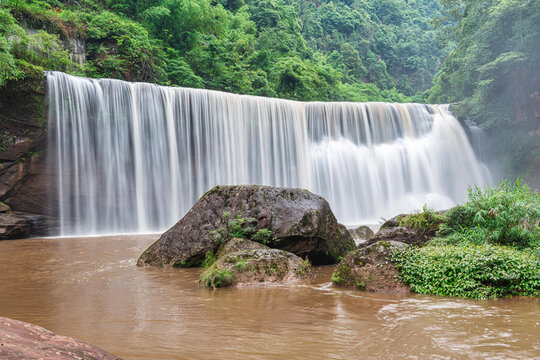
(240, 227)
(510, 213)
(209, 259)
(427, 219)
(342, 275)
(458, 217)
(263, 236)
(215, 278)
(305, 267)
(505, 215)
(485, 271)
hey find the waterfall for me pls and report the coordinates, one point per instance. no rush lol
(134, 157)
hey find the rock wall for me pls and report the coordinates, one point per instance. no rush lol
(24, 176)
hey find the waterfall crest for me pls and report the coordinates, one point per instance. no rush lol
(134, 157)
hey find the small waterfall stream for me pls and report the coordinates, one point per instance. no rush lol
(134, 157)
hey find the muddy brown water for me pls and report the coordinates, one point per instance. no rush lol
(90, 289)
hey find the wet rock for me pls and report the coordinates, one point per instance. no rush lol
(20, 340)
(255, 266)
(237, 244)
(361, 233)
(294, 220)
(25, 175)
(14, 226)
(4, 208)
(369, 268)
(392, 231)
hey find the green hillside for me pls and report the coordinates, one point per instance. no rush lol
(297, 49)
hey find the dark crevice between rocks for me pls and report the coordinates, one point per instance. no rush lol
(301, 246)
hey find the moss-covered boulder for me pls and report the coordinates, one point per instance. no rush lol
(369, 268)
(256, 266)
(293, 220)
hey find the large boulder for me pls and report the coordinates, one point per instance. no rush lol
(370, 268)
(293, 220)
(14, 226)
(254, 265)
(20, 340)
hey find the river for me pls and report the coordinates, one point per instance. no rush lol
(90, 289)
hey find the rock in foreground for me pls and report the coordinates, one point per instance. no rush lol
(294, 220)
(20, 340)
(369, 268)
(259, 264)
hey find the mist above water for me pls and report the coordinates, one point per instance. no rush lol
(134, 157)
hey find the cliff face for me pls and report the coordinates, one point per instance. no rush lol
(24, 176)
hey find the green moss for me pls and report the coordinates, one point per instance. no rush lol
(385, 244)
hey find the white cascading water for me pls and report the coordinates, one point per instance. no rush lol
(134, 157)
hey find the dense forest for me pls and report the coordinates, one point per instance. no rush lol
(493, 73)
(295, 49)
(481, 55)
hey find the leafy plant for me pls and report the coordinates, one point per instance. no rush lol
(215, 278)
(427, 219)
(509, 213)
(304, 267)
(209, 259)
(263, 236)
(476, 271)
(342, 275)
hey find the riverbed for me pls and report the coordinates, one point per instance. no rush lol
(89, 288)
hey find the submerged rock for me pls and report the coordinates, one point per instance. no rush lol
(294, 220)
(253, 266)
(20, 340)
(369, 268)
(13, 226)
